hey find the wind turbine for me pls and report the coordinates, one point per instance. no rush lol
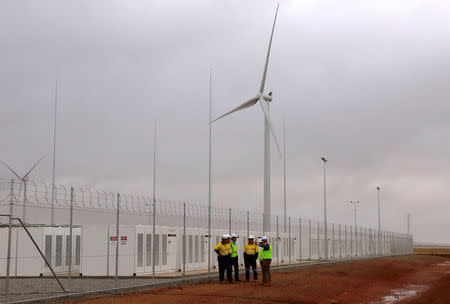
(263, 100)
(24, 179)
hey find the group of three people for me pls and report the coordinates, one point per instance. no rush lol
(227, 257)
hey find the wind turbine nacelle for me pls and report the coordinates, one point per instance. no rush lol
(268, 98)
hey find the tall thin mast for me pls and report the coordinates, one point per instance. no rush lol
(284, 170)
(54, 158)
(209, 172)
(154, 200)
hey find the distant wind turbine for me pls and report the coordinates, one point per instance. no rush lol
(263, 100)
(23, 179)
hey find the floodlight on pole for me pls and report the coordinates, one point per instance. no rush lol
(263, 101)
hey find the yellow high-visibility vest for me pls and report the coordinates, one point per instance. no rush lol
(265, 254)
(251, 249)
(224, 249)
(233, 250)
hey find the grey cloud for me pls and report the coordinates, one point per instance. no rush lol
(364, 83)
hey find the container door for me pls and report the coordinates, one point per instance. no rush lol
(165, 253)
(190, 251)
(156, 253)
(196, 251)
(48, 252)
(58, 252)
(140, 268)
(76, 257)
(148, 253)
(203, 244)
(172, 252)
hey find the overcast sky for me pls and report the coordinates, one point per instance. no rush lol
(363, 83)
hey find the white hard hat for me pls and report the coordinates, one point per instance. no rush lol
(228, 236)
(233, 235)
(224, 237)
(264, 238)
(251, 237)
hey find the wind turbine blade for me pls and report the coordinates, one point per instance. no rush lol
(263, 104)
(26, 175)
(263, 81)
(245, 105)
(14, 172)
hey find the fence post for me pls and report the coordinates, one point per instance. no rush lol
(310, 240)
(8, 256)
(209, 237)
(107, 251)
(365, 241)
(351, 242)
(299, 239)
(278, 245)
(229, 221)
(318, 240)
(332, 245)
(248, 224)
(153, 235)
(70, 233)
(361, 239)
(346, 245)
(340, 242)
(117, 239)
(184, 240)
(290, 241)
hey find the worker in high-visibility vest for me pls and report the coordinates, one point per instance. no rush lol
(250, 256)
(234, 257)
(265, 258)
(223, 250)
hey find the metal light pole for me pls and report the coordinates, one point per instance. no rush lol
(52, 220)
(284, 171)
(154, 201)
(325, 241)
(209, 172)
(379, 221)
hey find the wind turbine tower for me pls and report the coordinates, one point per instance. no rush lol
(263, 100)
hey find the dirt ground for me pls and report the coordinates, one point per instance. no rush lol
(402, 280)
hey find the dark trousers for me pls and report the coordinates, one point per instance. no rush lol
(235, 265)
(265, 267)
(250, 261)
(224, 265)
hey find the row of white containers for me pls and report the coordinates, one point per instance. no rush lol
(136, 249)
(94, 249)
(54, 243)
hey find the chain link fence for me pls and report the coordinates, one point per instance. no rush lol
(102, 240)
